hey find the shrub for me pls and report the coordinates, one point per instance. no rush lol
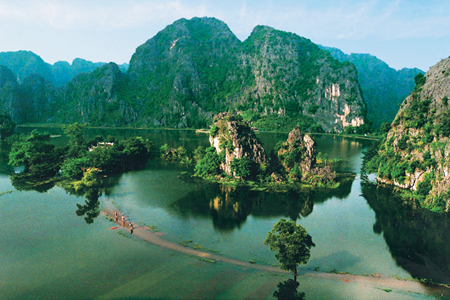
(419, 80)
(424, 187)
(402, 143)
(413, 166)
(242, 167)
(213, 130)
(312, 109)
(385, 127)
(209, 164)
(398, 173)
(444, 127)
(73, 168)
(199, 153)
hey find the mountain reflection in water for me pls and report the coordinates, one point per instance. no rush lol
(418, 240)
(228, 206)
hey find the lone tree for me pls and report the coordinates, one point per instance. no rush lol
(292, 244)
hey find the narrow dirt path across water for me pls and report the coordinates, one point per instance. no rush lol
(379, 282)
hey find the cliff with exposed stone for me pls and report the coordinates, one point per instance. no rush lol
(415, 153)
(299, 150)
(236, 139)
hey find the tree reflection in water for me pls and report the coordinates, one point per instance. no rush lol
(90, 207)
(29, 184)
(418, 240)
(287, 290)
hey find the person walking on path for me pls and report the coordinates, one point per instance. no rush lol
(131, 228)
(123, 221)
(115, 216)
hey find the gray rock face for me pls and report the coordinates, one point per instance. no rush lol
(302, 148)
(384, 88)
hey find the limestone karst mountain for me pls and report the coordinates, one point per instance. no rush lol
(194, 69)
(415, 153)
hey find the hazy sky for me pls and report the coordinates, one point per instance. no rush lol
(403, 33)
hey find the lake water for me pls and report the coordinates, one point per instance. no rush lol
(49, 252)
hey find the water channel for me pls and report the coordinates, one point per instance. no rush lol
(48, 251)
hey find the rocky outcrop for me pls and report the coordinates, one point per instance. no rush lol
(235, 139)
(97, 99)
(298, 155)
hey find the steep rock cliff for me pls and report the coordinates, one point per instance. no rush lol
(95, 98)
(384, 88)
(10, 96)
(293, 76)
(24, 64)
(194, 69)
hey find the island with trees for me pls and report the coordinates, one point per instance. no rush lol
(237, 155)
(77, 165)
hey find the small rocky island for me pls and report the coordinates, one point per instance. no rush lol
(237, 153)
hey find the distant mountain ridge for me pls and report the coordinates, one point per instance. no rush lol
(27, 63)
(384, 88)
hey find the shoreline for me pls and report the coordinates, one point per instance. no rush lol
(374, 281)
(201, 130)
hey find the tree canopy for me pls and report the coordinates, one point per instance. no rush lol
(75, 132)
(292, 244)
(39, 157)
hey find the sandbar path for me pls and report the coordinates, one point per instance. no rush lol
(380, 282)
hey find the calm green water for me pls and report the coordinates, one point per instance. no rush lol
(49, 252)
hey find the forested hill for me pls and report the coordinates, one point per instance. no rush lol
(384, 88)
(190, 71)
(196, 68)
(415, 153)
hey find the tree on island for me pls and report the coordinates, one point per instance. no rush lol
(209, 165)
(40, 158)
(75, 132)
(292, 244)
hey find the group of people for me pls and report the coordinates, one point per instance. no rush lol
(116, 218)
